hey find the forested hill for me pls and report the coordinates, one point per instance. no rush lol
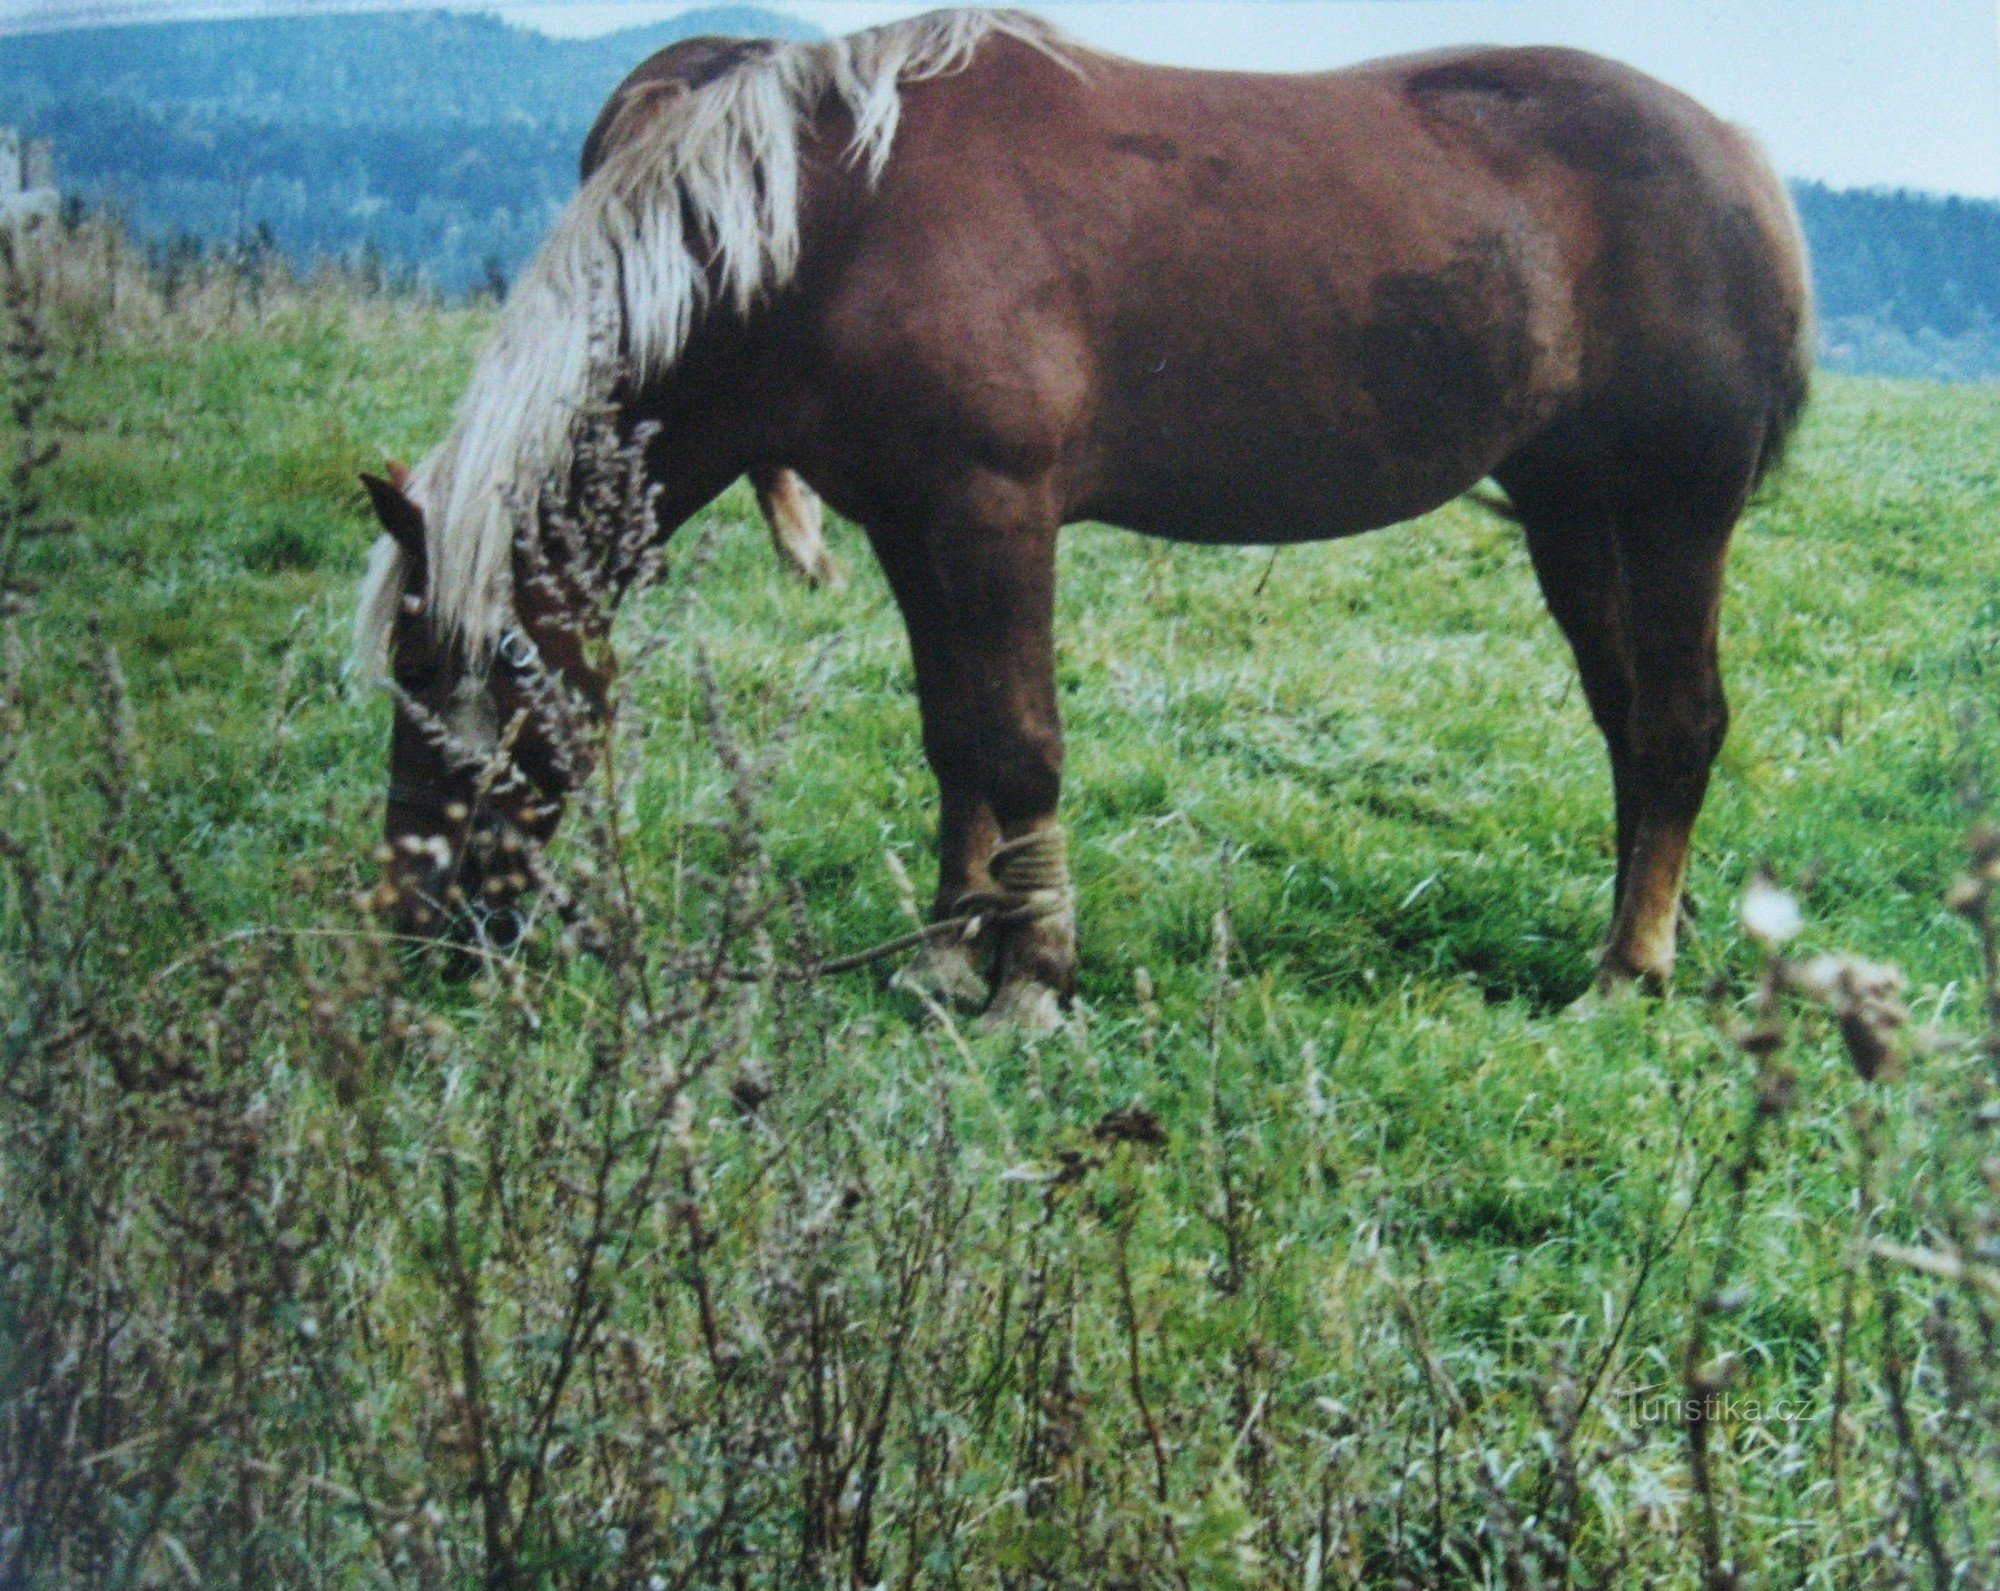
(441, 139)
(1909, 284)
(444, 143)
(397, 70)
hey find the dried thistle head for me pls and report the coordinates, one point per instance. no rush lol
(1131, 1124)
(1866, 1000)
(1971, 892)
(1769, 913)
(1777, 1087)
(1967, 896)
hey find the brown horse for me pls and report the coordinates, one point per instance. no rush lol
(974, 283)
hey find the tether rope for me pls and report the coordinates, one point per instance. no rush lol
(1031, 884)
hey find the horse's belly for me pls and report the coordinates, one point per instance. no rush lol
(1305, 451)
(1320, 490)
(1286, 400)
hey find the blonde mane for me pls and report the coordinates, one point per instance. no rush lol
(700, 200)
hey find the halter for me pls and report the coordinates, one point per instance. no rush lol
(516, 648)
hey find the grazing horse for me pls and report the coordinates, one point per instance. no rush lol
(974, 282)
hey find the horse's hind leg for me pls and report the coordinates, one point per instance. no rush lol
(793, 512)
(1671, 567)
(1576, 562)
(1636, 588)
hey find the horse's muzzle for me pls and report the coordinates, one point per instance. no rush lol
(466, 894)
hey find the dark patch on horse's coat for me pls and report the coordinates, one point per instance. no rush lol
(1468, 77)
(1147, 146)
(1217, 173)
(1606, 137)
(1446, 352)
(722, 57)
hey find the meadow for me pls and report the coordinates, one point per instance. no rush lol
(1324, 1246)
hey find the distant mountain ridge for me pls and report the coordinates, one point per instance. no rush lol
(354, 69)
(444, 143)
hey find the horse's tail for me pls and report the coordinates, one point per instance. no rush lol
(697, 199)
(1790, 363)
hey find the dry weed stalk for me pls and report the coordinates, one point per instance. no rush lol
(31, 385)
(100, 290)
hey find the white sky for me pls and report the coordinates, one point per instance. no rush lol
(1855, 92)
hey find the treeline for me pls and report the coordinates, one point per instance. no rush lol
(1909, 284)
(441, 145)
(456, 201)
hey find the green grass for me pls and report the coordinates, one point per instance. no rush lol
(1385, 741)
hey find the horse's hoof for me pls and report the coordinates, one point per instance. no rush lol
(1023, 1006)
(946, 974)
(1586, 1005)
(1612, 987)
(826, 574)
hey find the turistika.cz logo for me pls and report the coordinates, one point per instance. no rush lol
(1717, 1408)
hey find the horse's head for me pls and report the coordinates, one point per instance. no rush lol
(483, 750)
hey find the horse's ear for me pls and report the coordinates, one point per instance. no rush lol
(400, 517)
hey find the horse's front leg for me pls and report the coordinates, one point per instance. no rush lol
(977, 588)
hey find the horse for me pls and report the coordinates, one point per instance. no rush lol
(974, 281)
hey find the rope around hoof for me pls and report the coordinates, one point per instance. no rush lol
(1031, 877)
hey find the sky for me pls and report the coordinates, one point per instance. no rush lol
(1857, 93)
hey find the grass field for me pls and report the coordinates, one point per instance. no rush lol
(323, 1269)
